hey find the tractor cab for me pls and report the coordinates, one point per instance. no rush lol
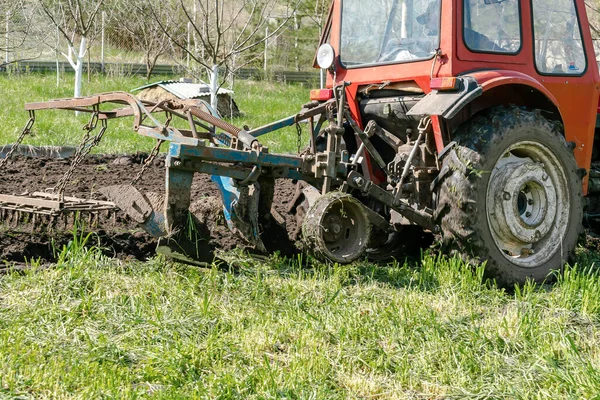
(473, 54)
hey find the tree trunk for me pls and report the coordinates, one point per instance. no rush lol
(148, 68)
(79, 68)
(214, 87)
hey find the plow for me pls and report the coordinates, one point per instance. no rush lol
(334, 225)
(462, 126)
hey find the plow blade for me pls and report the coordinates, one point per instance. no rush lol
(241, 209)
(188, 244)
(145, 209)
(246, 210)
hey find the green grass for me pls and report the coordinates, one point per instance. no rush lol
(260, 102)
(94, 327)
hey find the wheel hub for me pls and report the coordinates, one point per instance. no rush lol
(526, 201)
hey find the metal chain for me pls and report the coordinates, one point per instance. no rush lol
(299, 132)
(86, 145)
(148, 161)
(16, 144)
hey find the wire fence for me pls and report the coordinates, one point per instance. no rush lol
(312, 78)
(30, 39)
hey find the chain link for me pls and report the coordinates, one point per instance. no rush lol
(86, 145)
(24, 133)
(299, 140)
(148, 161)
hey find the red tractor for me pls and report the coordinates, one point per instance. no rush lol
(511, 91)
(473, 118)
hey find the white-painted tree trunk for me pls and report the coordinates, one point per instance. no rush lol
(76, 61)
(79, 67)
(214, 87)
(7, 37)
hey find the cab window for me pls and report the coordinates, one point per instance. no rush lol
(557, 38)
(389, 31)
(492, 26)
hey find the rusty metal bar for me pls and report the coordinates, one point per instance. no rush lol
(137, 107)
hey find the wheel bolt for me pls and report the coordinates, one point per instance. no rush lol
(336, 229)
(506, 196)
(528, 214)
(530, 202)
(544, 177)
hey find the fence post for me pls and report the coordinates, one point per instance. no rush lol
(57, 56)
(266, 46)
(195, 36)
(102, 45)
(7, 55)
(296, 29)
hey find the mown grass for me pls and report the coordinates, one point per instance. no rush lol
(93, 327)
(260, 102)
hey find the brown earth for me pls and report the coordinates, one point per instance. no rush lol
(116, 234)
(119, 236)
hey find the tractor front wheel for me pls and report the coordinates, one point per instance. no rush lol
(509, 193)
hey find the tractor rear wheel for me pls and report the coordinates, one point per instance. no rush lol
(509, 193)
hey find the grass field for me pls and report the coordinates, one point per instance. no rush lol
(92, 327)
(260, 102)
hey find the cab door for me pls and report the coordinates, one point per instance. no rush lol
(491, 31)
(565, 63)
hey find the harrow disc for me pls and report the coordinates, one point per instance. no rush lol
(336, 228)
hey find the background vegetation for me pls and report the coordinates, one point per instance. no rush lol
(261, 102)
(166, 31)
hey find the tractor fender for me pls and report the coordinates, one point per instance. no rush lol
(493, 78)
(447, 104)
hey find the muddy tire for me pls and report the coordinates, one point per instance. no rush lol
(509, 193)
(336, 228)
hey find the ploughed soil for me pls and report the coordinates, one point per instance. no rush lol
(24, 240)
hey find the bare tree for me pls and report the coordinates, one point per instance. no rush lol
(74, 20)
(15, 26)
(136, 23)
(226, 31)
(308, 27)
